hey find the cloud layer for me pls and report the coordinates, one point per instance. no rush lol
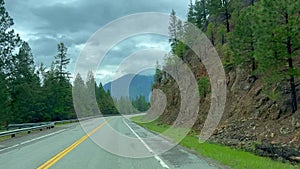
(45, 23)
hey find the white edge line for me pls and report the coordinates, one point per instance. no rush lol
(162, 163)
(38, 138)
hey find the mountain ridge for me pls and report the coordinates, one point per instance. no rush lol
(138, 85)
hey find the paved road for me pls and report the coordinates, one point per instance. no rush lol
(72, 148)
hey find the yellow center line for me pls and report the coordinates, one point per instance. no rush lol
(63, 153)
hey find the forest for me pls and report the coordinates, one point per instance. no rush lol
(258, 36)
(36, 93)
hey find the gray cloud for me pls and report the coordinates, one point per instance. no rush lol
(45, 23)
(44, 46)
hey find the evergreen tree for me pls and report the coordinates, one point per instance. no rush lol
(80, 96)
(4, 116)
(202, 13)
(226, 4)
(203, 86)
(91, 86)
(63, 92)
(237, 7)
(158, 73)
(23, 64)
(61, 63)
(173, 32)
(180, 49)
(50, 92)
(41, 71)
(26, 84)
(191, 18)
(8, 39)
(243, 40)
(278, 43)
(221, 10)
(140, 103)
(105, 101)
(210, 32)
(221, 34)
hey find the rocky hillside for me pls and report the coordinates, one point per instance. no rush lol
(251, 121)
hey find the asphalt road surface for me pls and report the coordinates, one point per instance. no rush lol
(73, 148)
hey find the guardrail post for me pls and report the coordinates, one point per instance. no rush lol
(34, 126)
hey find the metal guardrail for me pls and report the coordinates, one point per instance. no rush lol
(28, 130)
(66, 121)
(25, 125)
(28, 127)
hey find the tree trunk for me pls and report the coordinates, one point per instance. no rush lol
(293, 89)
(253, 59)
(291, 66)
(212, 39)
(223, 39)
(227, 19)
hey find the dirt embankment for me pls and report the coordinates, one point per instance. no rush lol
(251, 121)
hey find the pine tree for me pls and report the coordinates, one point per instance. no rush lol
(41, 73)
(4, 116)
(140, 103)
(173, 32)
(226, 4)
(105, 101)
(80, 96)
(61, 62)
(158, 76)
(191, 17)
(23, 84)
(24, 64)
(221, 10)
(210, 32)
(64, 107)
(243, 39)
(50, 93)
(8, 39)
(203, 86)
(237, 7)
(91, 86)
(30, 84)
(201, 13)
(180, 49)
(278, 43)
(221, 34)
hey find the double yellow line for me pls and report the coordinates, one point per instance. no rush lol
(60, 155)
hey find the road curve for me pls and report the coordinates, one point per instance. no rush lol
(72, 148)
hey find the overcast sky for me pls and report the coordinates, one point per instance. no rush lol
(44, 23)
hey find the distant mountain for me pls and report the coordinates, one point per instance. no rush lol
(139, 85)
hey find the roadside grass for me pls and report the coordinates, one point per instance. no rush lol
(63, 124)
(234, 158)
(3, 138)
